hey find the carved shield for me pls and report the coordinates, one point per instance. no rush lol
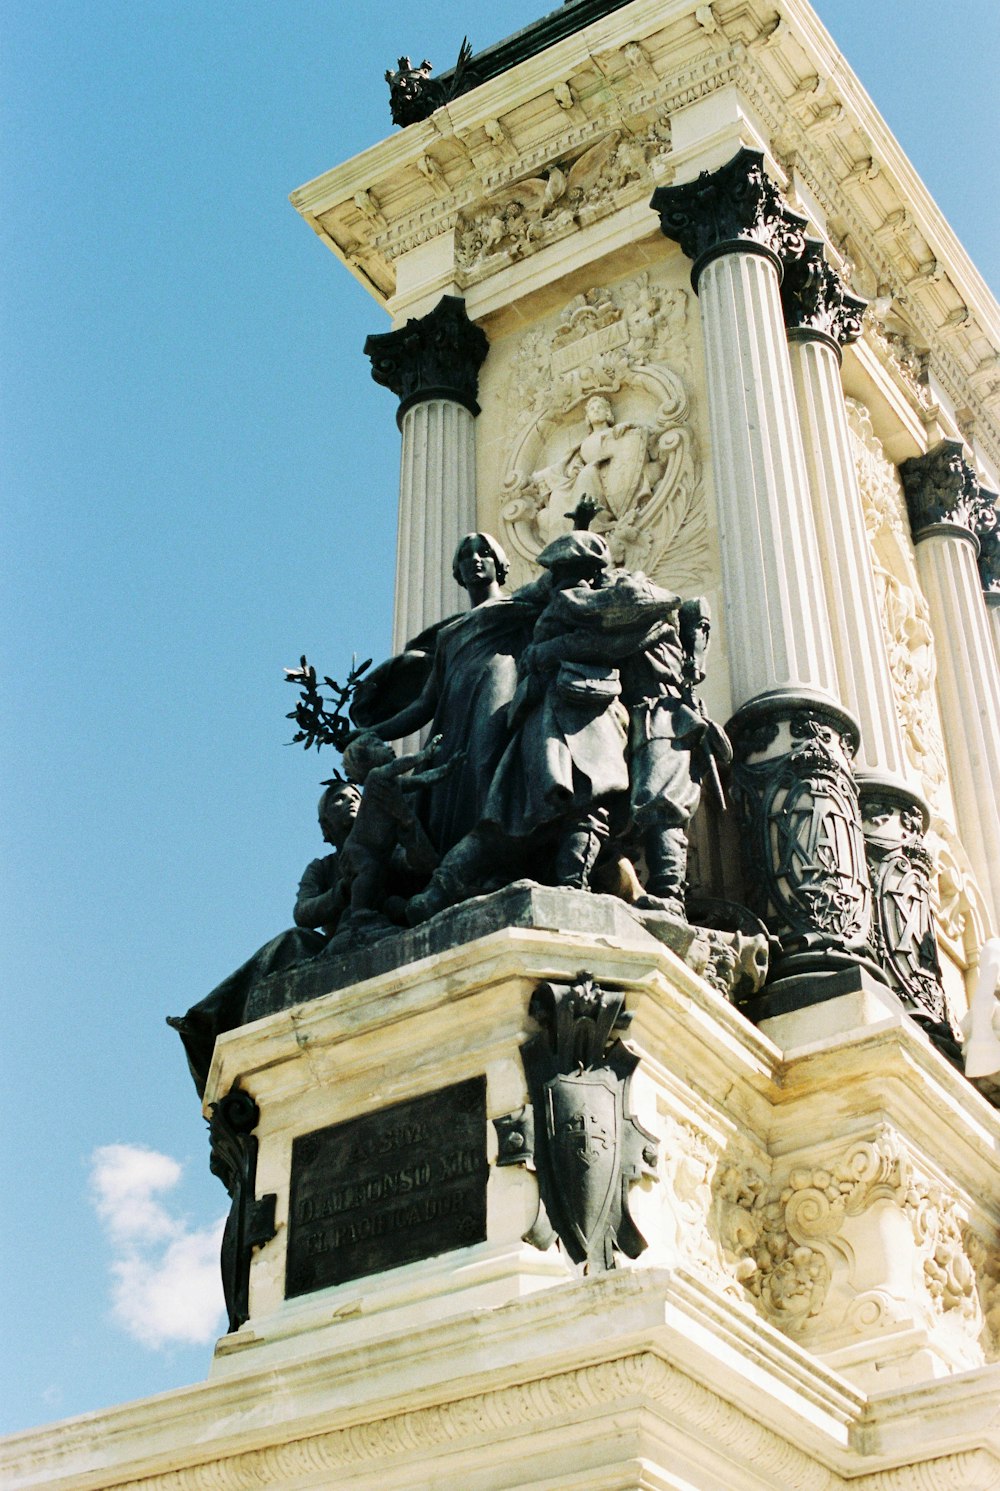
(583, 1117)
(819, 858)
(907, 928)
(621, 475)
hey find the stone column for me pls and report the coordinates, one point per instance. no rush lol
(822, 318)
(948, 510)
(803, 845)
(432, 364)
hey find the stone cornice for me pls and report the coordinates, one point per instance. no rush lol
(879, 216)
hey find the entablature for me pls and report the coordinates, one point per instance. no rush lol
(582, 130)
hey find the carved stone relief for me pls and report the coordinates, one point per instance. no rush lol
(959, 908)
(905, 617)
(709, 1195)
(598, 413)
(576, 191)
(806, 1237)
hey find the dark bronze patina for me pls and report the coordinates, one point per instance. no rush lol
(388, 1188)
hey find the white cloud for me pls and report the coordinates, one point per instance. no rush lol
(166, 1288)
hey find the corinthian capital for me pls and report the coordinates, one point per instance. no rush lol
(816, 302)
(942, 493)
(989, 546)
(437, 356)
(735, 209)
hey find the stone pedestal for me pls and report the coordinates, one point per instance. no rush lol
(814, 1231)
(432, 364)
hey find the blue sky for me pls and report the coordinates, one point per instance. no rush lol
(199, 479)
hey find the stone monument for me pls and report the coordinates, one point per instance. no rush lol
(623, 1109)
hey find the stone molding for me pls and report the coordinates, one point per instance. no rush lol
(736, 209)
(816, 302)
(437, 356)
(943, 495)
(640, 1378)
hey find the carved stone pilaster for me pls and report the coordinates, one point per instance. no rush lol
(989, 546)
(816, 303)
(803, 847)
(902, 873)
(250, 1223)
(736, 209)
(437, 356)
(942, 494)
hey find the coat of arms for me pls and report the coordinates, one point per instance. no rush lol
(577, 1134)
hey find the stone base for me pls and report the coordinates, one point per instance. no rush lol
(854, 999)
(815, 1307)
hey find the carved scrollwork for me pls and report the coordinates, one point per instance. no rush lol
(794, 1240)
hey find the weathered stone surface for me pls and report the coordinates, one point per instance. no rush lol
(522, 904)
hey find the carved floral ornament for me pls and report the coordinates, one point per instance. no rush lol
(599, 414)
(797, 1262)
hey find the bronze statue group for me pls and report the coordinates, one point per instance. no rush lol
(567, 746)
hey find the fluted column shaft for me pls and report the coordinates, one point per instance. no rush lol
(862, 663)
(437, 507)
(947, 510)
(432, 364)
(775, 607)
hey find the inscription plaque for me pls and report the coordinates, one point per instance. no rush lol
(391, 1187)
